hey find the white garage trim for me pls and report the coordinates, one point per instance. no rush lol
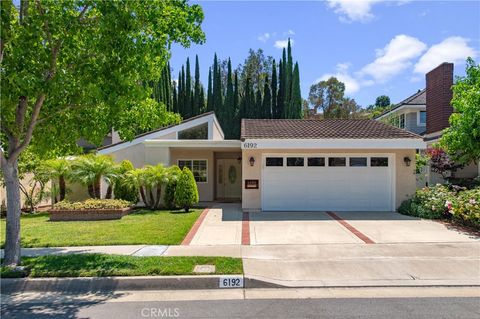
(391, 163)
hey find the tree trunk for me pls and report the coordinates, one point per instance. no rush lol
(142, 195)
(97, 189)
(108, 195)
(159, 197)
(91, 191)
(61, 185)
(12, 241)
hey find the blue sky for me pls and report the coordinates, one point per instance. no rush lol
(376, 47)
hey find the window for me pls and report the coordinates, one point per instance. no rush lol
(295, 161)
(422, 117)
(274, 161)
(199, 132)
(198, 168)
(378, 161)
(401, 123)
(358, 161)
(316, 161)
(337, 161)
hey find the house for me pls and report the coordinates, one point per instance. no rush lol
(427, 113)
(287, 165)
(410, 114)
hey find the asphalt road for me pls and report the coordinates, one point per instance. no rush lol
(390, 308)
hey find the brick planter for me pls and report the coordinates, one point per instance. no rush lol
(88, 214)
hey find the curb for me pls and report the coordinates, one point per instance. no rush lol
(95, 284)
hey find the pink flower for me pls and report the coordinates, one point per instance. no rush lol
(472, 201)
(448, 204)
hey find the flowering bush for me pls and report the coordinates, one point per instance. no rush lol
(466, 207)
(443, 201)
(93, 204)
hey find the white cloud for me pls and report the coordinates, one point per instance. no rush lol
(289, 32)
(394, 58)
(352, 85)
(350, 10)
(280, 44)
(264, 37)
(452, 49)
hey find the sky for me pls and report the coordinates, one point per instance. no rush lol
(375, 47)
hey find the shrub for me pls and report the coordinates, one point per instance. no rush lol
(174, 173)
(443, 201)
(466, 207)
(122, 191)
(93, 204)
(186, 192)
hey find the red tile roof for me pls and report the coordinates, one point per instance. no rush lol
(321, 129)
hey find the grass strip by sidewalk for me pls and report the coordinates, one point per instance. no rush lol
(102, 265)
(142, 227)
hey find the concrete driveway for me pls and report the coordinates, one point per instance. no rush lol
(293, 228)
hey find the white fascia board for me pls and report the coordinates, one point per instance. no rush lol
(403, 109)
(153, 135)
(194, 143)
(403, 143)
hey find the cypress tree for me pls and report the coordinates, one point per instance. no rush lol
(174, 99)
(217, 91)
(168, 87)
(259, 112)
(181, 93)
(202, 100)
(281, 92)
(236, 108)
(188, 91)
(296, 100)
(210, 91)
(229, 107)
(215, 85)
(197, 99)
(267, 101)
(274, 91)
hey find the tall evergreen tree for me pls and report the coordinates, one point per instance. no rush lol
(188, 92)
(229, 104)
(181, 92)
(267, 101)
(296, 99)
(281, 92)
(168, 87)
(210, 91)
(174, 99)
(197, 101)
(202, 100)
(236, 108)
(217, 90)
(274, 91)
(258, 112)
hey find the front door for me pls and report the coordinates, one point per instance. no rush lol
(229, 179)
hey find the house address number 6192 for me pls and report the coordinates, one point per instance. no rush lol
(249, 145)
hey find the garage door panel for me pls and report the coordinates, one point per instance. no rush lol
(326, 188)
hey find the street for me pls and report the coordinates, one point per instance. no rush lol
(252, 303)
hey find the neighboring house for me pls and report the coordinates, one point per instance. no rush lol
(427, 113)
(287, 165)
(410, 114)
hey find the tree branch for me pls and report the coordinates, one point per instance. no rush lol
(20, 114)
(31, 126)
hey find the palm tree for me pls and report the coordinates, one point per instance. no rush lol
(89, 169)
(58, 168)
(156, 177)
(135, 179)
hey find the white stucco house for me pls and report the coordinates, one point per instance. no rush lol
(287, 165)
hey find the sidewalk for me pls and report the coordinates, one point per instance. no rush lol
(427, 264)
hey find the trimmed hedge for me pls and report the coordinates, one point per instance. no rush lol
(93, 204)
(445, 202)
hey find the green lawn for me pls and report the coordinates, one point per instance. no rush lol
(141, 227)
(100, 265)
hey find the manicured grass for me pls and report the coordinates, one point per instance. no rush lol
(141, 227)
(101, 265)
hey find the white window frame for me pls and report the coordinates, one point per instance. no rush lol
(418, 118)
(191, 169)
(400, 120)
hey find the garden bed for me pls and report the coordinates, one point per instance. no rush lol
(90, 209)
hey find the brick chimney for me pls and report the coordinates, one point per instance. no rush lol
(439, 94)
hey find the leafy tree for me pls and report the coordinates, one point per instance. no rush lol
(382, 101)
(72, 69)
(256, 67)
(462, 139)
(328, 96)
(440, 162)
(186, 192)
